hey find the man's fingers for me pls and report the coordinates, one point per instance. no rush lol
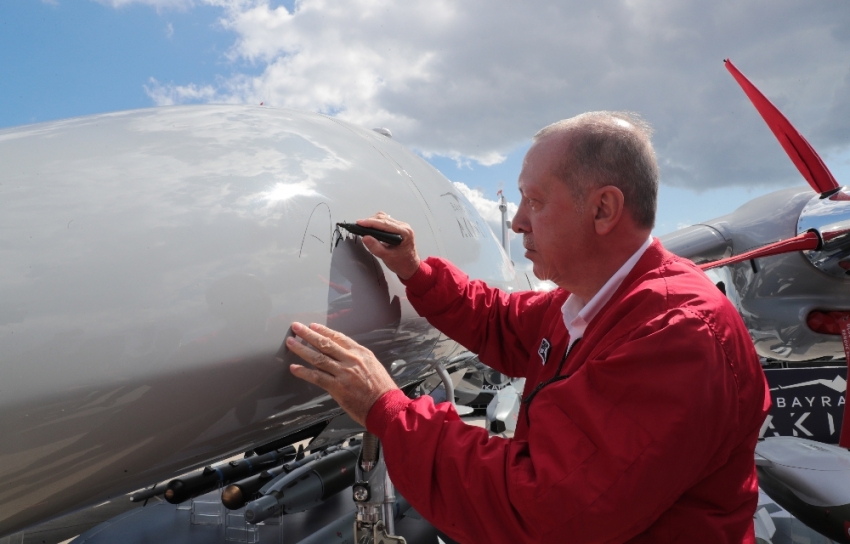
(315, 358)
(323, 343)
(376, 248)
(336, 336)
(316, 377)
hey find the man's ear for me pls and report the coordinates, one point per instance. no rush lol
(608, 204)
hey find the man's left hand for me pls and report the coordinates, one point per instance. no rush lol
(349, 372)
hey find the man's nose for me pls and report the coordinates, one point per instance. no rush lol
(519, 223)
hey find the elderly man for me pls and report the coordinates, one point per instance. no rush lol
(643, 398)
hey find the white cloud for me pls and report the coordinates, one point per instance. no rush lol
(487, 208)
(472, 80)
(168, 95)
(489, 211)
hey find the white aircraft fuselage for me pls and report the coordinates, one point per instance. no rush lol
(153, 261)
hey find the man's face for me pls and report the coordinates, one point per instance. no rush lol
(554, 229)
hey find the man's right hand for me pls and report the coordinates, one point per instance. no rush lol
(401, 259)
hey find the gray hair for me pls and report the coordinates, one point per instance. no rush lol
(610, 148)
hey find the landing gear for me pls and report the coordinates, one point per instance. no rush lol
(374, 497)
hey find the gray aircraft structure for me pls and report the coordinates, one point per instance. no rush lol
(782, 293)
(777, 295)
(810, 480)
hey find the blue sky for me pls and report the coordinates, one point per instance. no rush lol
(454, 86)
(80, 57)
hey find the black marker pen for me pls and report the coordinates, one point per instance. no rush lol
(390, 238)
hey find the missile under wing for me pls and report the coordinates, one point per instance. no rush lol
(152, 263)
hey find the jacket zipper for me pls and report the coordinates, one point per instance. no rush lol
(556, 378)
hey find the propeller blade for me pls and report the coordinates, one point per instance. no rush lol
(803, 242)
(805, 158)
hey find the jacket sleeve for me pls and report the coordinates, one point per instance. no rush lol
(608, 450)
(484, 320)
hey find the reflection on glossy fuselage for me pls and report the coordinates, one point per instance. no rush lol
(153, 262)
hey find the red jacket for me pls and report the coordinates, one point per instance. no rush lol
(647, 437)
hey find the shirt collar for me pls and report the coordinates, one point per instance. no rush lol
(578, 314)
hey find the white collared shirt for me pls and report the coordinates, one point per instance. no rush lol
(577, 314)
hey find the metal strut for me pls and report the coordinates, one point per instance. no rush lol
(506, 224)
(374, 496)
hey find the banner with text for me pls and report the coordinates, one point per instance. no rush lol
(807, 402)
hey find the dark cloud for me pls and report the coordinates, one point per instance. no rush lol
(476, 79)
(835, 129)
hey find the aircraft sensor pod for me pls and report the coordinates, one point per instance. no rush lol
(305, 486)
(210, 478)
(237, 494)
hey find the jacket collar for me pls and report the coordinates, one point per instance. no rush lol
(653, 258)
(578, 315)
